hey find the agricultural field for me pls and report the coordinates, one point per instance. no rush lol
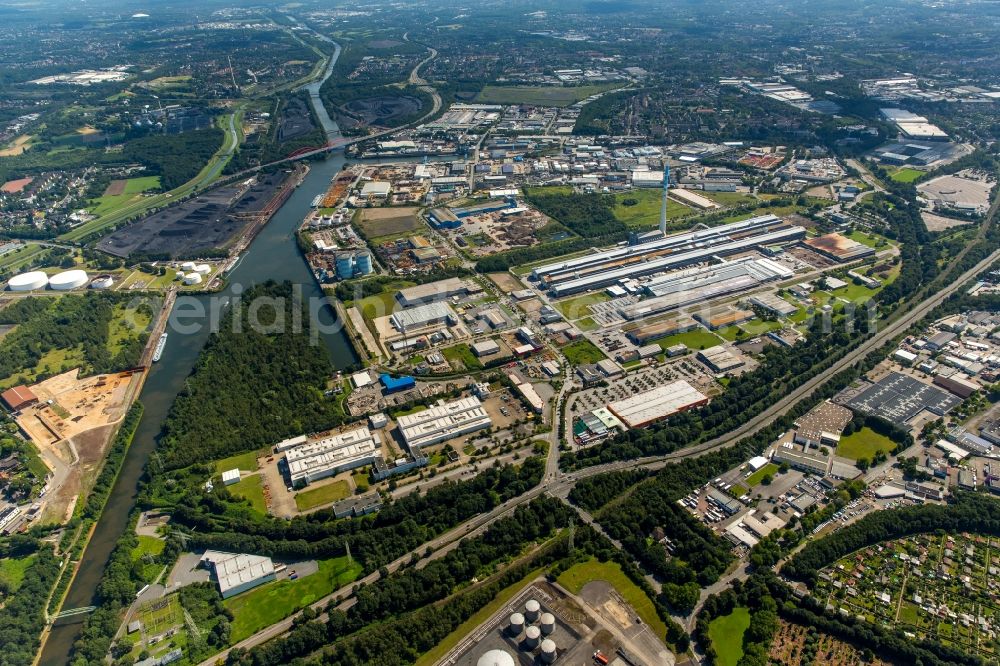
(864, 443)
(377, 223)
(272, 602)
(726, 633)
(540, 95)
(941, 586)
(123, 192)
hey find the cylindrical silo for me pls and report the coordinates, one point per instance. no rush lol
(548, 650)
(548, 623)
(68, 280)
(516, 625)
(345, 265)
(532, 637)
(531, 610)
(28, 281)
(363, 263)
(496, 658)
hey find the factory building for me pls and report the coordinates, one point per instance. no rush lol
(643, 262)
(396, 384)
(774, 304)
(434, 291)
(719, 359)
(839, 248)
(527, 391)
(331, 455)
(423, 316)
(725, 316)
(654, 405)
(750, 232)
(803, 458)
(18, 397)
(237, 572)
(443, 421)
(485, 348)
(660, 329)
(695, 285)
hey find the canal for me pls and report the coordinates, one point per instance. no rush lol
(273, 255)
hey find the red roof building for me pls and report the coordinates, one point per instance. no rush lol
(18, 398)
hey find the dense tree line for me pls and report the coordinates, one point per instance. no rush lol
(587, 215)
(970, 512)
(175, 158)
(251, 388)
(23, 616)
(216, 521)
(80, 322)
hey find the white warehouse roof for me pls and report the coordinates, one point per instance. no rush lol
(658, 403)
(443, 421)
(234, 570)
(330, 455)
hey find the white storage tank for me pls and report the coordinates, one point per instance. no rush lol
(548, 651)
(68, 280)
(188, 266)
(496, 658)
(531, 610)
(516, 625)
(532, 637)
(203, 269)
(192, 278)
(548, 623)
(28, 281)
(102, 282)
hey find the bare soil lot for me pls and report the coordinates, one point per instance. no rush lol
(376, 222)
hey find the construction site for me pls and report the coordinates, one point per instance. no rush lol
(495, 231)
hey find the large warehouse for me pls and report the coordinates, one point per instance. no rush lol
(331, 455)
(838, 247)
(601, 269)
(443, 421)
(432, 291)
(656, 404)
(696, 285)
(423, 316)
(898, 398)
(237, 572)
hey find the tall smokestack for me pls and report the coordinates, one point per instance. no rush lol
(663, 207)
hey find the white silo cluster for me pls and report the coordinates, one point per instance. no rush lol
(35, 280)
(192, 273)
(536, 628)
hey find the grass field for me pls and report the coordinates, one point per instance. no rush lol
(17, 260)
(579, 306)
(360, 480)
(267, 604)
(13, 570)
(646, 213)
(381, 305)
(462, 354)
(863, 444)
(320, 495)
(251, 488)
(148, 546)
(109, 203)
(574, 578)
(126, 323)
(759, 475)
(729, 198)
(540, 95)
(381, 222)
(906, 175)
(726, 634)
(697, 338)
(246, 462)
(583, 352)
(524, 269)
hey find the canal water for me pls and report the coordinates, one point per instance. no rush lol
(273, 255)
